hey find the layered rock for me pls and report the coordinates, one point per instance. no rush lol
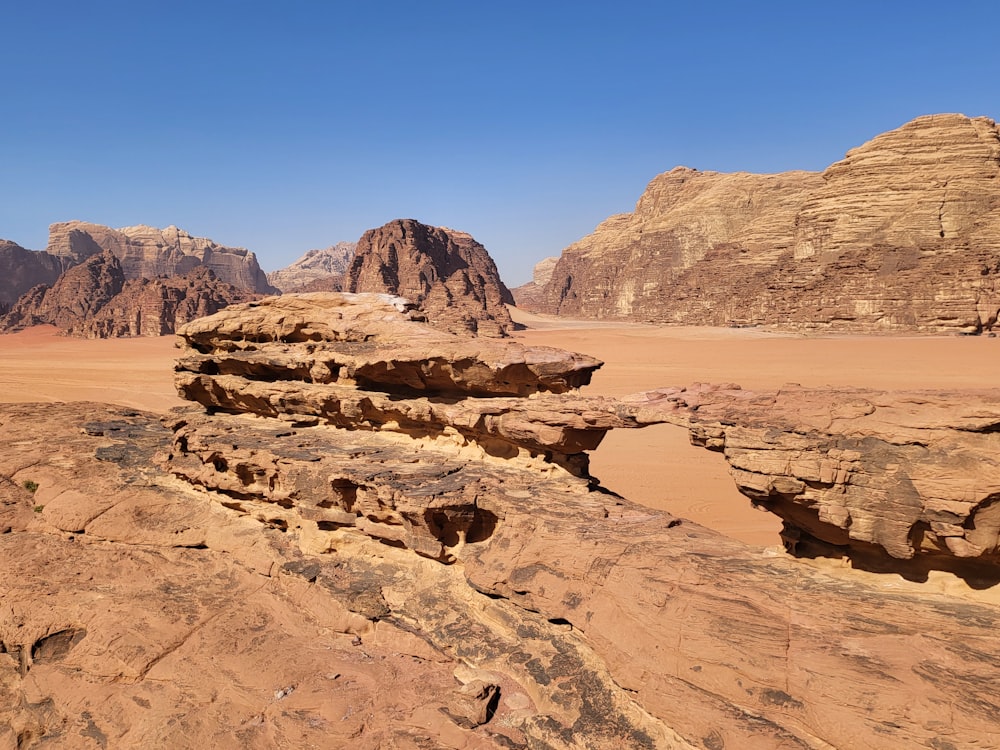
(316, 271)
(881, 477)
(531, 295)
(619, 626)
(94, 300)
(21, 269)
(147, 252)
(902, 234)
(449, 274)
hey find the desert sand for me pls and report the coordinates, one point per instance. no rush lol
(655, 466)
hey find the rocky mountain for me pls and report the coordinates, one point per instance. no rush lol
(904, 233)
(147, 252)
(21, 269)
(355, 500)
(531, 296)
(317, 268)
(450, 275)
(95, 300)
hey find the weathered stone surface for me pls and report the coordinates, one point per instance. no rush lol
(21, 269)
(902, 234)
(532, 295)
(446, 272)
(94, 300)
(317, 268)
(912, 473)
(147, 252)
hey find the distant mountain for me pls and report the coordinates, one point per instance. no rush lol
(22, 269)
(94, 300)
(450, 275)
(903, 234)
(317, 268)
(147, 252)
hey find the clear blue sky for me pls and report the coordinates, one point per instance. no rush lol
(283, 126)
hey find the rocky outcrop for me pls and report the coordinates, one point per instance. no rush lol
(316, 271)
(94, 300)
(147, 252)
(881, 477)
(531, 295)
(603, 624)
(21, 269)
(901, 234)
(446, 272)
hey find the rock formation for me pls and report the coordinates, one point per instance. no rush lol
(531, 295)
(446, 272)
(94, 300)
(147, 252)
(22, 269)
(317, 268)
(904, 233)
(441, 497)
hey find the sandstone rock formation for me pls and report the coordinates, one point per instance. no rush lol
(904, 233)
(94, 300)
(602, 624)
(22, 269)
(147, 252)
(446, 272)
(317, 268)
(531, 295)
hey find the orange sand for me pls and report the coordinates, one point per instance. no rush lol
(655, 466)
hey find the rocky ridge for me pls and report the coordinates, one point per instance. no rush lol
(95, 300)
(446, 272)
(901, 234)
(324, 268)
(147, 252)
(22, 269)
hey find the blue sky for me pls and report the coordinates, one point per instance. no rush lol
(286, 126)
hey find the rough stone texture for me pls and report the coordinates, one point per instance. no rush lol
(904, 233)
(21, 269)
(147, 252)
(446, 272)
(325, 268)
(619, 626)
(910, 475)
(94, 300)
(531, 295)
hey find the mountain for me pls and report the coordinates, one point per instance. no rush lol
(314, 268)
(902, 234)
(21, 269)
(450, 275)
(95, 300)
(147, 252)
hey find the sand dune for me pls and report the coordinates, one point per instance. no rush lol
(655, 466)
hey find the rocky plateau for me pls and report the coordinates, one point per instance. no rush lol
(396, 526)
(317, 268)
(902, 234)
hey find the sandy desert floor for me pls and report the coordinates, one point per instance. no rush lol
(655, 466)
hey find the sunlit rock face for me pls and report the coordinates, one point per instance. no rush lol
(903, 234)
(148, 252)
(450, 275)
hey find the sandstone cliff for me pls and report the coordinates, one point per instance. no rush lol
(449, 274)
(147, 252)
(532, 295)
(22, 269)
(94, 300)
(317, 268)
(904, 233)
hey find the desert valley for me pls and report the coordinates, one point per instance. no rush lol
(723, 475)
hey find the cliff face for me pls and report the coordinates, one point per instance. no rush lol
(22, 269)
(904, 233)
(317, 270)
(450, 275)
(147, 252)
(95, 300)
